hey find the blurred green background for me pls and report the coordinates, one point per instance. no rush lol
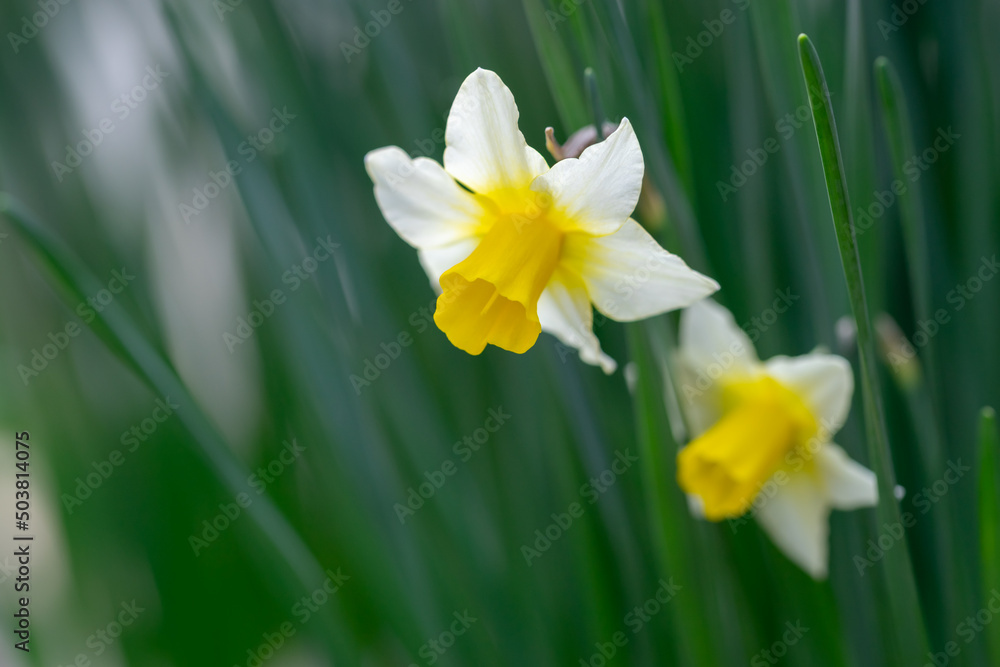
(254, 515)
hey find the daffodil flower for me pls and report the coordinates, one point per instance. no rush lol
(762, 436)
(515, 247)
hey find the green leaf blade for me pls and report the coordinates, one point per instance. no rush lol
(905, 616)
(989, 518)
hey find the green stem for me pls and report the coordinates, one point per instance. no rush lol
(905, 621)
(989, 519)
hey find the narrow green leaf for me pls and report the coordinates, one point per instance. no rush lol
(671, 521)
(859, 145)
(465, 49)
(563, 77)
(900, 137)
(922, 394)
(774, 26)
(594, 94)
(989, 518)
(905, 619)
(674, 122)
(660, 165)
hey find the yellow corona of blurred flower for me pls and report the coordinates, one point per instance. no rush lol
(516, 247)
(762, 436)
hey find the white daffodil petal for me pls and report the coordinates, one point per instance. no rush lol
(630, 277)
(849, 485)
(420, 200)
(441, 258)
(701, 397)
(824, 381)
(711, 348)
(564, 311)
(598, 191)
(797, 520)
(709, 337)
(484, 149)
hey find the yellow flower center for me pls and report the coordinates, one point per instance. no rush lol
(492, 296)
(727, 466)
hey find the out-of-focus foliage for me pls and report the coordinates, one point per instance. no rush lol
(186, 167)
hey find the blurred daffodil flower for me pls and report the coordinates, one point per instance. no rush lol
(762, 435)
(516, 247)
